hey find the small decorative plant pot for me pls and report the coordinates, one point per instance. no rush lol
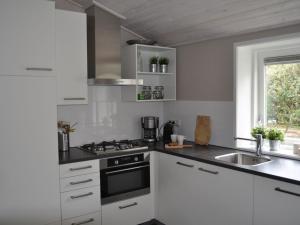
(274, 145)
(153, 68)
(163, 68)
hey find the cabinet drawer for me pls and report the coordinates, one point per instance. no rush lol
(80, 202)
(78, 182)
(79, 168)
(90, 219)
(128, 212)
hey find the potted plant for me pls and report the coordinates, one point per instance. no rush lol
(258, 130)
(275, 136)
(163, 62)
(153, 64)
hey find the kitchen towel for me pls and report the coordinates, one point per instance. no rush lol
(203, 130)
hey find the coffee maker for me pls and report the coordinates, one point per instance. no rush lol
(150, 125)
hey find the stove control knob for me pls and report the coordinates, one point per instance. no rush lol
(116, 162)
(136, 159)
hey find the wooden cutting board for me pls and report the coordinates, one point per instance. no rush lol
(177, 146)
(203, 130)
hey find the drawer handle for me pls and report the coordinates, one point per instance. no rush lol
(84, 222)
(81, 196)
(208, 171)
(38, 69)
(81, 168)
(127, 206)
(81, 182)
(74, 99)
(287, 192)
(186, 165)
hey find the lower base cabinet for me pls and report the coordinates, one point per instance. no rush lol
(128, 212)
(89, 219)
(276, 202)
(194, 193)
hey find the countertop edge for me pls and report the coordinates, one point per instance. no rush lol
(89, 156)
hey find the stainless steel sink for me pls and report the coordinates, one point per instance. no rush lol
(243, 159)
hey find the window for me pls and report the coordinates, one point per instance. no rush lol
(282, 98)
(268, 89)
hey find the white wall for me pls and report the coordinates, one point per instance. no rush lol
(221, 113)
(107, 117)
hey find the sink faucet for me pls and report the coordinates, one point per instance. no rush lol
(258, 140)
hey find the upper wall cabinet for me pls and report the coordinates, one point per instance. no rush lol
(71, 57)
(154, 83)
(27, 37)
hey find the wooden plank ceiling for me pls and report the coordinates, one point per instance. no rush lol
(176, 22)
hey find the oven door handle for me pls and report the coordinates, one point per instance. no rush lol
(128, 169)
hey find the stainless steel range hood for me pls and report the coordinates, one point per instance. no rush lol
(104, 48)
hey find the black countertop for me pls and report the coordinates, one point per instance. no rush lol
(279, 168)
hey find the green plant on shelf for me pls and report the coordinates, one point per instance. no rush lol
(153, 60)
(163, 61)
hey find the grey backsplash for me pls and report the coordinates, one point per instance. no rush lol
(107, 117)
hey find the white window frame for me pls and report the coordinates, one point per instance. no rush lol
(250, 107)
(261, 81)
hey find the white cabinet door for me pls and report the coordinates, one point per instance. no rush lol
(80, 202)
(29, 170)
(27, 37)
(89, 219)
(128, 212)
(176, 191)
(224, 196)
(194, 193)
(276, 202)
(71, 57)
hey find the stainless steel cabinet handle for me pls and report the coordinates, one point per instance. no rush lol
(208, 171)
(81, 182)
(287, 192)
(133, 168)
(38, 69)
(81, 196)
(84, 222)
(81, 168)
(74, 99)
(126, 206)
(186, 165)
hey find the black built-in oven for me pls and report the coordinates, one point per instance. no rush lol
(124, 177)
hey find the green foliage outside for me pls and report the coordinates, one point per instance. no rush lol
(283, 94)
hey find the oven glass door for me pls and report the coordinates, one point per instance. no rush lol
(125, 182)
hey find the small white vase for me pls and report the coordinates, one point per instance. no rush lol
(274, 145)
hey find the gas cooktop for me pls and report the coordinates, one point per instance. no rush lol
(114, 146)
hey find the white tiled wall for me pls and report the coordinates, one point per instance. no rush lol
(107, 117)
(221, 113)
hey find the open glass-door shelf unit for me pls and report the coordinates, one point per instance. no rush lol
(136, 65)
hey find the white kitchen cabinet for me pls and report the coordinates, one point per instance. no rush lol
(128, 212)
(135, 65)
(80, 191)
(79, 202)
(27, 40)
(71, 57)
(276, 202)
(194, 193)
(89, 219)
(29, 170)
(176, 200)
(78, 182)
(79, 168)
